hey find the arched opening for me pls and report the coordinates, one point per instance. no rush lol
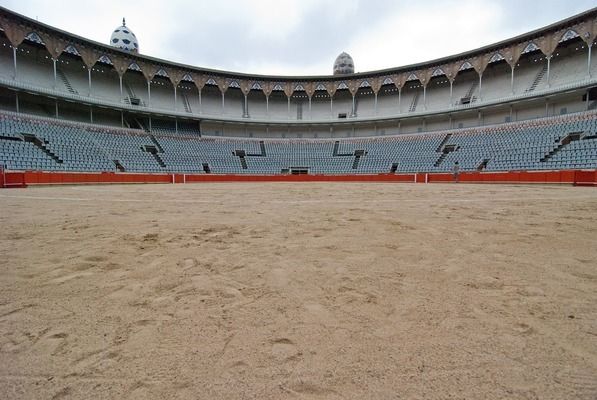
(465, 86)
(320, 104)
(364, 101)
(412, 95)
(71, 72)
(162, 91)
(256, 102)
(36, 67)
(342, 104)
(234, 106)
(438, 91)
(105, 80)
(387, 99)
(187, 95)
(497, 78)
(531, 70)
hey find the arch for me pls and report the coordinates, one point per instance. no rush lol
(35, 38)
(530, 47)
(71, 49)
(568, 35)
(105, 59)
(465, 66)
(497, 56)
(437, 72)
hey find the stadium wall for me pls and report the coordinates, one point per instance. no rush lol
(19, 179)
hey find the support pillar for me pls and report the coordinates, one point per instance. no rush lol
(512, 79)
(14, 59)
(175, 98)
(148, 93)
(375, 105)
(17, 100)
(451, 93)
(89, 79)
(91, 114)
(223, 103)
(55, 74)
(399, 100)
(589, 60)
(548, 69)
(480, 85)
(121, 94)
(310, 109)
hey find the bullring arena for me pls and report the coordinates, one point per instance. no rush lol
(176, 232)
(286, 290)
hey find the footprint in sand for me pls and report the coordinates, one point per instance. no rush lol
(284, 350)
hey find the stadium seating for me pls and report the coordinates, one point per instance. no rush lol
(32, 143)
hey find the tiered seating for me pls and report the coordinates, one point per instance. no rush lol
(565, 142)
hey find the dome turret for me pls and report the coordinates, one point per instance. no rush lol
(344, 64)
(123, 38)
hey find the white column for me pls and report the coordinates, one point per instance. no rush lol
(589, 60)
(375, 104)
(89, 79)
(54, 64)
(200, 105)
(353, 107)
(425, 97)
(17, 100)
(332, 106)
(288, 114)
(14, 59)
(223, 103)
(120, 79)
(310, 111)
(451, 93)
(512, 79)
(480, 85)
(399, 99)
(267, 106)
(548, 69)
(175, 98)
(148, 93)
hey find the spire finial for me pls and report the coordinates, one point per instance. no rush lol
(123, 22)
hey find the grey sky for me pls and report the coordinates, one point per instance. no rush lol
(302, 37)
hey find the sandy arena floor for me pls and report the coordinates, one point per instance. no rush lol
(306, 291)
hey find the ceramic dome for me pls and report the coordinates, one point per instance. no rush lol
(344, 64)
(123, 38)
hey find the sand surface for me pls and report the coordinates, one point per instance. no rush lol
(298, 291)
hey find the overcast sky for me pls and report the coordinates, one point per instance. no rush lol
(302, 37)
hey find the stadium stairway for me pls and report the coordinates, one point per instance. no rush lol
(563, 143)
(41, 145)
(537, 79)
(66, 82)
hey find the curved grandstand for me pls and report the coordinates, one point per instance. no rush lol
(71, 104)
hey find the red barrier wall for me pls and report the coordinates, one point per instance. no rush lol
(21, 179)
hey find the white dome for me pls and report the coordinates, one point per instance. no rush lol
(344, 64)
(123, 38)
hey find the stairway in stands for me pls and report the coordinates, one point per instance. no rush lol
(441, 145)
(132, 98)
(186, 104)
(39, 143)
(571, 137)
(537, 79)
(468, 97)
(446, 149)
(413, 104)
(66, 82)
(119, 166)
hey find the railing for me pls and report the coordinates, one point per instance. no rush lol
(581, 84)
